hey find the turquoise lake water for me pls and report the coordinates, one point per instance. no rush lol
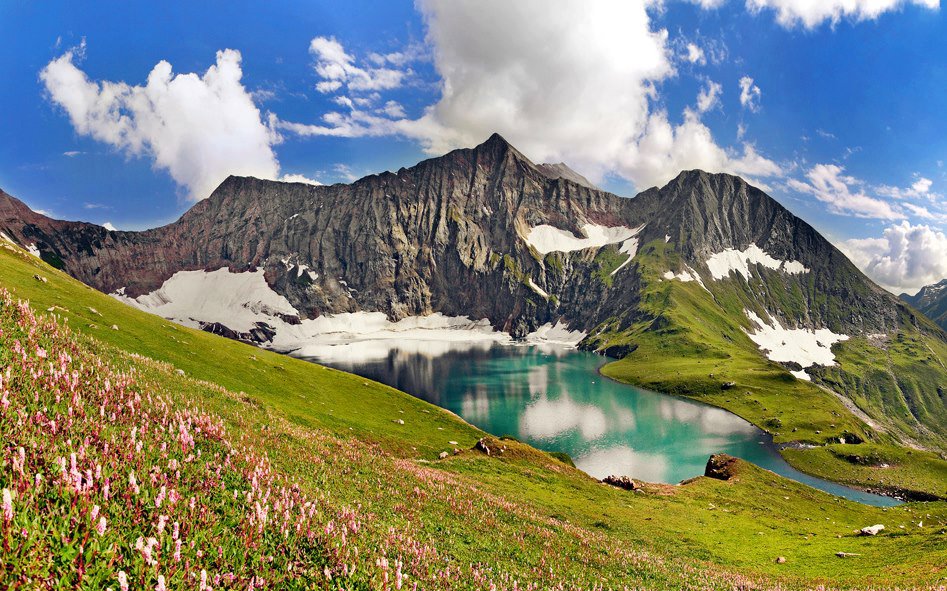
(554, 399)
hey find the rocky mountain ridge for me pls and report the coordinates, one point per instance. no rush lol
(453, 235)
(931, 300)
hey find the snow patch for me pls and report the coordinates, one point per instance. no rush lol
(685, 276)
(630, 248)
(730, 260)
(558, 334)
(537, 289)
(801, 375)
(33, 250)
(545, 238)
(786, 345)
(7, 238)
(312, 337)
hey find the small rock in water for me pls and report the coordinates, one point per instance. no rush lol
(871, 530)
(781, 560)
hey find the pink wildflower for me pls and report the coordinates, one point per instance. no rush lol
(122, 581)
(7, 506)
(160, 586)
(100, 528)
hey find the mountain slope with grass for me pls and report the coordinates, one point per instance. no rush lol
(223, 423)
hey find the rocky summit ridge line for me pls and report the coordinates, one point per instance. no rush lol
(450, 235)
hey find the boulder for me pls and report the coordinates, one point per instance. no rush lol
(721, 467)
(621, 482)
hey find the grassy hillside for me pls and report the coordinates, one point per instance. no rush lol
(688, 343)
(384, 502)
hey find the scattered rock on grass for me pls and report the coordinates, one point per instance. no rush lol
(621, 482)
(39, 278)
(442, 455)
(781, 560)
(871, 530)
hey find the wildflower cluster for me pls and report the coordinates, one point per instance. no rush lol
(105, 485)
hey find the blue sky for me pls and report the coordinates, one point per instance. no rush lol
(836, 110)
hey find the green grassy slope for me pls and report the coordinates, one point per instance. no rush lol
(523, 513)
(689, 343)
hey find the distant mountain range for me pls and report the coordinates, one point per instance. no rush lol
(932, 301)
(484, 233)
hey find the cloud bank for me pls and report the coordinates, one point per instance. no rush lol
(199, 128)
(905, 258)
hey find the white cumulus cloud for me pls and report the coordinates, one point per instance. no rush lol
(298, 178)
(695, 54)
(337, 68)
(199, 128)
(843, 193)
(709, 96)
(750, 94)
(812, 13)
(905, 258)
(585, 99)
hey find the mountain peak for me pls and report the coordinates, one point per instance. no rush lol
(562, 171)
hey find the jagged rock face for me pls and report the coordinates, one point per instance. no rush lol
(449, 235)
(931, 301)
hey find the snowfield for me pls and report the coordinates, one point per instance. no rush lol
(558, 334)
(545, 238)
(236, 300)
(732, 260)
(240, 300)
(800, 345)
